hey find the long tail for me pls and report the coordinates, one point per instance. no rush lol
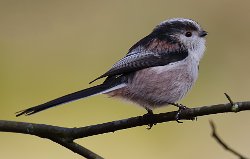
(99, 89)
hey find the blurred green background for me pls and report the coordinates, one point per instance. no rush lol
(52, 48)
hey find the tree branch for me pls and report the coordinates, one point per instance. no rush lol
(66, 136)
(222, 143)
(76, 148)
(54, 133)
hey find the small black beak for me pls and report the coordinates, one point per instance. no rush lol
(202, 33)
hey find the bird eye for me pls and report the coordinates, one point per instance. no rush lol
(188, 34)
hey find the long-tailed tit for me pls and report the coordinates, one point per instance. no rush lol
(157, 71)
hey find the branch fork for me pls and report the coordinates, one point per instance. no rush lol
(66, 136)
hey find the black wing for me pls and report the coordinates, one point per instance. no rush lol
(151, 51)
(138, 61)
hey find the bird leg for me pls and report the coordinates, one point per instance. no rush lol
(149, 115)
(181, 107)
(150, 112)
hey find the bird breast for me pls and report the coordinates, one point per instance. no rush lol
(157, 86)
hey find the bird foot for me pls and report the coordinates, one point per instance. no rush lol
(181, 108)
(149, 115)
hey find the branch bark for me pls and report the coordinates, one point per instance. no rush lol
(66, 136)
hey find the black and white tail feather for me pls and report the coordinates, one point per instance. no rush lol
(107, 86)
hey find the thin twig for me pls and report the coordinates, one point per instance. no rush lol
(222, 143)
(229, 98)
(235, 107)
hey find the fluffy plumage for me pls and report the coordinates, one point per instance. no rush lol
(158, 70)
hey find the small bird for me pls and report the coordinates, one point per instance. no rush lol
(157, 71)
